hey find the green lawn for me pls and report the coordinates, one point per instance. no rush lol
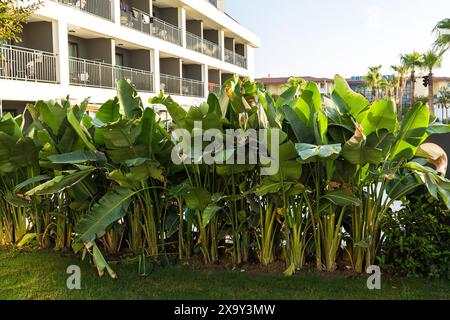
(43, 276)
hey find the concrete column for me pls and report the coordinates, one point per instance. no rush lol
(222, 44)
(205, 79)
(151, 8)
(181, 74)
(156, 71)
(182, 25)
(61, 48)
(116, 11)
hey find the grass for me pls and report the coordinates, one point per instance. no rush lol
(42, 275)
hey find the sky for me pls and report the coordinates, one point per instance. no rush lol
(325, 37)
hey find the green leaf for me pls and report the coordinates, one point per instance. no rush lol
(197, 198)
(287, 97)
(269, 187)
(289, 171)
(209, 213)
(346, 99)
(177, 113)
(77, 157)
(309, 151)
(226, 170)
(309, 103)
(29, 181)
(51, 115)
(342, 197)
(412, 132)
(26, 239)
(381, 115)
(81, 132)
(60, 183)
(355, 151)
(300, 129)
(129, 100)
(109, 111)
(438, 129)
(110, 208)
(101, 263)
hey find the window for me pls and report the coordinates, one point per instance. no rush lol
(73, 49)
(119, 59)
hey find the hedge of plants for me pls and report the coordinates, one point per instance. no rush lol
(107, 185)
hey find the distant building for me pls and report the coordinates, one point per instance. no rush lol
(277, 85)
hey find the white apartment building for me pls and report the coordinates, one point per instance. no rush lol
(80, 48)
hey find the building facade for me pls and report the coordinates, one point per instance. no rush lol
(80, 48)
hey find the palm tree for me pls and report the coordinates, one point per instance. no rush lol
(374, 79)
(388, 87)
(401, 70)
(430, 60)
(412, 61)
(443, 31)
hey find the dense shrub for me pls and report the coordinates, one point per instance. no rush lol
(417, 239)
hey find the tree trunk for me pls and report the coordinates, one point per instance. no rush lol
(430, 93)
(413, 88)
(374, 94)
(401, 90)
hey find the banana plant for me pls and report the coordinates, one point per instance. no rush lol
(381, 162)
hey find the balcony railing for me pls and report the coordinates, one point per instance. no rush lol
(180, 86)
(17, 63)
(166, 31)
(100, 8)
(89, 73)
(240, 61)
(136, 19)
(141, 21)
(196, 43)
(235, 58)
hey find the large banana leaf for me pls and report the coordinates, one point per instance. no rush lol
(346, 99)
(60, 183)
(77, 157)
(309, 152)
(381, 115)
(81, 131)
(342, 197)
(300, 129)
(129, 101)
(412, 132)
(109, 111)
(110, 208)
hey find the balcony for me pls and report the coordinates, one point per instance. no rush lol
(100, 8)
(88, 73)
(181, 86)
(17, 63)
(136, 19)
(235, 59)
(141, 21)
(196, 43)
(166, 31)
